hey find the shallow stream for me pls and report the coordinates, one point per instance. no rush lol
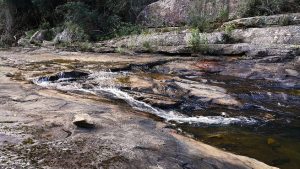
(265, 126)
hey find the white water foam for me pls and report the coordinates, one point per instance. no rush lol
(105, 81)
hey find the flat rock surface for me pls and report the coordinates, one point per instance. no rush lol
(36, 129)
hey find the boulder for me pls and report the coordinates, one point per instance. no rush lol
(208, 93)
(292, 72)
(253, 42)
(42, 35)
(269, 35)
(172, 38)
(69, 36)
(179, 12)
(264, 21)
(24, 42)
(38, 36)
(254, 50)
(83, 121)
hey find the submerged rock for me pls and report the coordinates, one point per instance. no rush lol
(83, 121)
(209, 93)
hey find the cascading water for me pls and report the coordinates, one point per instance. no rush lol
(104, 84)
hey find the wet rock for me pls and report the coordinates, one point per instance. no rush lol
(256, 69)
(155, 100)
(140, 84)
(72, 75)
(83, 121)
(292, 72)
(209, 93)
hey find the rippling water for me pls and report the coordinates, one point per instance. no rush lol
(267, 127)
(105, 85)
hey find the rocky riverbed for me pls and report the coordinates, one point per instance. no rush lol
(147, 111)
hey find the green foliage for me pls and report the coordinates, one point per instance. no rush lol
(200, 22)
(229, 28)
(198, 41)
(284, 21)
(223, 15)
(45, 25)
(125, 29)
(30, 33)
(120, 30)
(85, 47)
(78, 18)
(121, 50)
(147, 45)
(2, 45)
(77, 31)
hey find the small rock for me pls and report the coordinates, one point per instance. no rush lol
(83, 121)
(24, 42)
(9, 74)
(292, 72)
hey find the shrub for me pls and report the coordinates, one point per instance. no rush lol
(229, 28)
(78, 17)
(198, 41)
(30, 33)
(125, 29)
(147, 45)
(284, 21)
(85, 47)
(76, 31)
(223, 15)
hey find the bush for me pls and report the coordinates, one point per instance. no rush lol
(76, 31)
(125, 29)
(147, 45)
(78, 18)
(198, 42)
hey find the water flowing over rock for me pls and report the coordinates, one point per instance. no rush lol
(152, 97)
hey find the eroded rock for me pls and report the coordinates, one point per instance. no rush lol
(264, 21)
(209, 93)
(83, 121)
(179, 12)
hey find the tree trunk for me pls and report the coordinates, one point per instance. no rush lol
(7, 14)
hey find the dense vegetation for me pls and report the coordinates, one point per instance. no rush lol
(103, 19)
(92, 19)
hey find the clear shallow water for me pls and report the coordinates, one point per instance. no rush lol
(266, 128)
(105, 86)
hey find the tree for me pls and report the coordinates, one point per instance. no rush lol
(17, 16)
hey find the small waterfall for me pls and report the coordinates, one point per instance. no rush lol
(106, 85)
